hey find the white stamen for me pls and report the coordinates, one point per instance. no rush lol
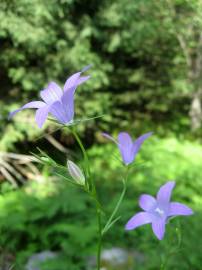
(159, 211)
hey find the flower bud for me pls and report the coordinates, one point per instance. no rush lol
(75, 172)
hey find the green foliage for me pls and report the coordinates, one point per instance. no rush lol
(139, 69)
(54, 215)
(52, 208)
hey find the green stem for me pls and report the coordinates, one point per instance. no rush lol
(99, 246)
(173, 251)
(86, 160)
(82, 147)
(111, 219)
(93, 193)
(99, 224)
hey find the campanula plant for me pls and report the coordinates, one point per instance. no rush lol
(158, 211)
(127, 147)
(59, 103)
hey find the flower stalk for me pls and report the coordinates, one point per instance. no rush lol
(93, 194)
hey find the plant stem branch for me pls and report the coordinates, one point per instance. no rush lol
(93, 193)
(99, 246)
(86, 160)
(111, 219)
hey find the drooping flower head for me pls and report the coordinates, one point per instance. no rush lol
(157, 211)
(59, 103)
(127, 147)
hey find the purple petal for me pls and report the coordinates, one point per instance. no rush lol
(30, 105)
(109, 137)
(75, 79)
(179, 209)
(41, 115)
(137, 143)
(147, 202)
(138, 220)
(125, 145)
(82, 80)
(52, 93)
(68, 103)
(164, 193)
(158, 227)
(72, 81)
(63, 110)
(57, 110)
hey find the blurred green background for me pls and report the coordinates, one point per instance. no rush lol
(146, 76)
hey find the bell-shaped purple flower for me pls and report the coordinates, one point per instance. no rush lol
(157, 211)
(59, 103)
(127, 147)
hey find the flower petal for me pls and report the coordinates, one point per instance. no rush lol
(109, 137)
(158, 227)
(52, 93)
(63, 110)
(57, 110)
(137, 220)
(68, 103)
(75, 79)
(125, 145)
(147, 202)
(137, 143)
(30, 105)
(164, 193)
(41, 115)
(179, 209)
(82, 80)
(72, 81)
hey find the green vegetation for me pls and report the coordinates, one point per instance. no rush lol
(146, 75)
(136, 47)
(52, 214)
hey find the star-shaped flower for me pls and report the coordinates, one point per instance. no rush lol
(59, 103)
(127, 147)
(158, 211)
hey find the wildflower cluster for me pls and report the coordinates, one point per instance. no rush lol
(157, 211)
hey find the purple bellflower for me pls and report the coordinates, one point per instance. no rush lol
(59, 103)
(158, 211)
(127, 147)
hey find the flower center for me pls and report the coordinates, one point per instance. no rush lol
(159, 211)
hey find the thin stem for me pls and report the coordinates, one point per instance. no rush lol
(93, 193)
(111, 219)
(99, 246)
(173, 251)
(82, 148)
(87, 166)
(99, 224)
